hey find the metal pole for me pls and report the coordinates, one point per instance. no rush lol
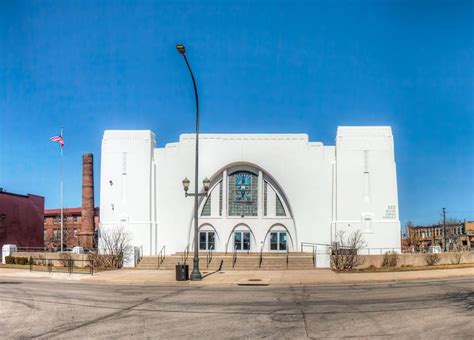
(444, 228)
(196, 273)
(62, 218)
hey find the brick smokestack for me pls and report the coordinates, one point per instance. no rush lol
(87, 218)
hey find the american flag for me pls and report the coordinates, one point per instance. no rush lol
(58, 139)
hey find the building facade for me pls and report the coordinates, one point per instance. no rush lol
(469, 230)
(21, 220)
(72, 227)
(458, 236)
(267, 192)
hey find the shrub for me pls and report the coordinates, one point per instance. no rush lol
(456, 258)
(103, 261)
(432, 259)
(16, 260)
(9, 260)
(21, 260)
(345, 255)
(390, 259)
(372, 267)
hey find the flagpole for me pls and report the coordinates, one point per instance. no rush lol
(62, 218)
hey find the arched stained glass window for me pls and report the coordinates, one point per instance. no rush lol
(220, 198)
(280, 211)
(243, 193)
(206, 210)
(265, 198)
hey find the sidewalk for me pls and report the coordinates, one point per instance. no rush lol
(287, 277)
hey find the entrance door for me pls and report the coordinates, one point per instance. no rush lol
(207, 240)
(278, 241)
(242, 240)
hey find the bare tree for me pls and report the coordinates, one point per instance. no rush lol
(116, 243)
(345, 255)
(412, 240)
(456, 255)
(390, 259)
(432, 259)
(53, 242)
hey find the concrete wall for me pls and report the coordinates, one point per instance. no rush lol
(415, 260)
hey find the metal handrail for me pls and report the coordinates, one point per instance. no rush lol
(314, 248)
(67, 263)
(234, 257)
(161, 256)
(185, 254)
(312, 245)
(209, 256)
(261, 257)
(376, 251)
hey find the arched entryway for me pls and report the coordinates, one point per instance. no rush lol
(243, 205)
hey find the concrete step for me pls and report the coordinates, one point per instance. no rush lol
(244, 261)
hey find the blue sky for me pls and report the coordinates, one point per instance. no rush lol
(263, 67)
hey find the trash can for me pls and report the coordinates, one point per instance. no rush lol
(182, 272)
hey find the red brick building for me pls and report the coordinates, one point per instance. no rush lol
(21, 220)
(457, 236)
(80, 224)
(73, 223)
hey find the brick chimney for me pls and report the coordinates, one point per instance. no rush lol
(87, 218)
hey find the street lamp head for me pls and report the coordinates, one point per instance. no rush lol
(206, 182)
(180, 48)
(186, 184)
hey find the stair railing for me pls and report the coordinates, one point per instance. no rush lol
(161, 256)
(260, 260)
(185, 254)
(315, 248)
(209, 255)
(234, 257)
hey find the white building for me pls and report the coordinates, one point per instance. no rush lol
(267, 190)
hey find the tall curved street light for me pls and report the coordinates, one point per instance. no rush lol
(196, 273)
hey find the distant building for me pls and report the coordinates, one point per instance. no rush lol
(422, 237)
(469, 230)
(21, 220)
(80, 224)
(72, 228)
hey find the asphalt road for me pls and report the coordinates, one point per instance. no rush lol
(48, 309)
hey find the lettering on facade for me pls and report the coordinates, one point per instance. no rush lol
(390, 212)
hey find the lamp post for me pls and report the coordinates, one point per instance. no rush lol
(196, 273)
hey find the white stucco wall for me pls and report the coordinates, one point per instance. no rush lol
(366, 182)
(126, 184)
(326, 188)
(296, 165)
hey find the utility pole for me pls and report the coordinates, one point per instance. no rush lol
(444, 228)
